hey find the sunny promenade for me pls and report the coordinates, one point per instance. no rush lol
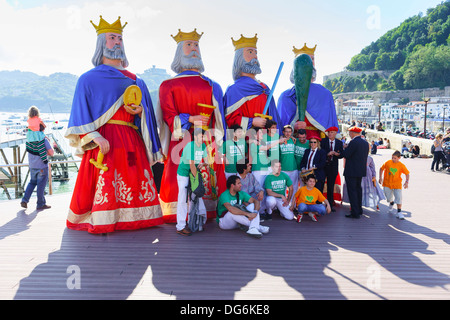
(375, 257)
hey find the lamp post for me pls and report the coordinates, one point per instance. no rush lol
(379, 113)
(426, 100)
(443, 118)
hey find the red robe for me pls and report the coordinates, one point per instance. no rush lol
(248, 110)
(122, 198)
(180, 95)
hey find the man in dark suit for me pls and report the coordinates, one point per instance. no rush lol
(316, 158)
(334, 149)
(355, 154)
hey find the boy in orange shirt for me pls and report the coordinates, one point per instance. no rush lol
(306, 198)
(392, 182)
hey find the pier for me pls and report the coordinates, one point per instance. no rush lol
(377, 257)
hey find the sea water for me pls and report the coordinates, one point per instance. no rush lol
(11, 128)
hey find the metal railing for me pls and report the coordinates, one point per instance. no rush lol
(13, 178)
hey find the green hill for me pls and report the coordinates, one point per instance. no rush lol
(54, 93)
(418, 50)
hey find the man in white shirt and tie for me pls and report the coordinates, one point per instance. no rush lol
(334, 149)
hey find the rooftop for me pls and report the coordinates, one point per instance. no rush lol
(375, 257)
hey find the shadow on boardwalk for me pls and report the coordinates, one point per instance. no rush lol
(217, 264)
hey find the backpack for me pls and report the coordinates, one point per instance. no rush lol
(432, 149)
(195, 185)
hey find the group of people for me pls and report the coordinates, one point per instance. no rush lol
(438, 151)
(231, 139)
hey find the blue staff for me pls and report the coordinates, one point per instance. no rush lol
(269, 98)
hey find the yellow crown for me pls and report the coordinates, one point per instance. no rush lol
(305, 49)
(244, 42)
(184, 36)
(104, 26)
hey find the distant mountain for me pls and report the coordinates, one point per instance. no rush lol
(54, 93)
(417, 51)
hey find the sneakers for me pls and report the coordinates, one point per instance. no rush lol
(299, 217)
(391, 208)
(263, 229)
(313, 216)
(400, 216)
(253, 232)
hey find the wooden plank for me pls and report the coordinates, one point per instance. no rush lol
(376, 257)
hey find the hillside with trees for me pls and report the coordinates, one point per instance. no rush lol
(418, 51)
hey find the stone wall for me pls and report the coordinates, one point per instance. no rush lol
(396, 140)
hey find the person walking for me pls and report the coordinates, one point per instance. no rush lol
(355, 154)
(438, 154)
(38, 178)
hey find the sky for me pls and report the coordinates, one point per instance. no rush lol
(51, 36)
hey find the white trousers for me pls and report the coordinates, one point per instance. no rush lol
(232, 221)
(260, 176)
(272, 202)
(182, 206)
(294, 178)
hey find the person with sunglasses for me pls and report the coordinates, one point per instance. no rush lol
(315, 158)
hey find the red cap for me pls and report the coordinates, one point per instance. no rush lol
(332, 129)
(355, 129)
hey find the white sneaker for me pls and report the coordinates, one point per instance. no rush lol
(313, 216)
(253, 232)
(263, 229)
(391, 208)
(400, 216)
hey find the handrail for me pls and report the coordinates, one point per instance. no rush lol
(50, 179)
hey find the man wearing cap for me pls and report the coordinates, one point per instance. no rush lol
(355, 154)
(246, 98)
(320, 109)
(119, 136)
(188, 100)
(334, 149)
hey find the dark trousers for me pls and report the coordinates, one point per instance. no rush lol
(354, 191)
(331, 179)
(438, 157)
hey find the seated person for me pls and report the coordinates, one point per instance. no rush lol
(307, 198)
(248, 181)
(230, 217)
(275, 185)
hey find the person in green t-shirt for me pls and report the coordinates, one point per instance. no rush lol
(288, 158)
(276, 184)
(193, 157)
(231, 217)
(234, 150)
(301, 144)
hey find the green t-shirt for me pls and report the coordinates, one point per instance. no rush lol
(260, 161)
(226, 197)
(274, 152)
(235, 152)
(287, 156)
(278, 184)
(191, 152)
(300, 151)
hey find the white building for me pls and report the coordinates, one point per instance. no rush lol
(358, 108)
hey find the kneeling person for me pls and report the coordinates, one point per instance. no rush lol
(306, 200)
(275, 185)
(230, 217)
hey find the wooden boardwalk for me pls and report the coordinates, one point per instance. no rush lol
(376, 257)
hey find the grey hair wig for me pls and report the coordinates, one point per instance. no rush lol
(240, 65)
(97, 59)
(181, 61)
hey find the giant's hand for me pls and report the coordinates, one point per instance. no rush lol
(201, 120)
(259, 122)
(300, 125)
(103, 144)
(133, 109)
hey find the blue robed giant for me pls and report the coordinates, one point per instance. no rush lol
(98, 95)
(320, 109)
